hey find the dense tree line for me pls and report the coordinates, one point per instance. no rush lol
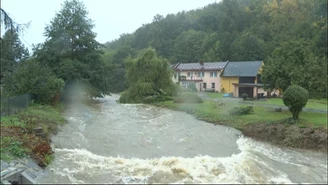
(290, 36)
(70, 56)
(239, 30)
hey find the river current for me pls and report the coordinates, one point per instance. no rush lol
(107, 142)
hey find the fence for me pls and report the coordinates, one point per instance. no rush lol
(14, 104)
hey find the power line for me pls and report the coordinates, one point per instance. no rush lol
(26, 41)
(29, 45)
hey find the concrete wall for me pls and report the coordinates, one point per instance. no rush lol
(209, 80)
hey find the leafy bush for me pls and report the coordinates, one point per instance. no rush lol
(162, 98)
(12, 121)
(10, 146)
(48, 159)
(241, 110)
(16, 149)
(188, 98)
(245, 96)
(295, 98)
(33, 78)
(124, 98)
(42, 148)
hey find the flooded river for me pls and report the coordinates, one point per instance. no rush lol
(109, 142)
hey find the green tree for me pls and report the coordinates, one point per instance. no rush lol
(32, 78)
(211, 47)
(147, 75)
(249, 47)
(235, 30)
(72, 51)
(294, 63)
(188, 46)
(295, 98)
(9, 24)
(12, 51)
(118, 69)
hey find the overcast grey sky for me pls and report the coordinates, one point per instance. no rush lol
(111, 17)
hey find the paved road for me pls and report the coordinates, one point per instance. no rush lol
(205, 97)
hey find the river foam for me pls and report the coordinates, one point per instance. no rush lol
(80, 165)
(113, 143)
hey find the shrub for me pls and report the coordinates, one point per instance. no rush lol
(188, 98)
(222, 90)
(33, 78)
(156, 98)
(241, 110)
(295, 98)
(16, 149)
(245, 96)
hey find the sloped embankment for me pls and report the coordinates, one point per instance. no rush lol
(286, 135)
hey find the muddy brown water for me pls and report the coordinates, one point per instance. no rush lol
(108, 142)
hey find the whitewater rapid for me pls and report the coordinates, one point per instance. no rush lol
(112, 143)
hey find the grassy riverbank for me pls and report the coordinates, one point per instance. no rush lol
(310, 132)
(311, 104)
(26, 134)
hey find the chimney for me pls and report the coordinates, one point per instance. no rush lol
(201, 63)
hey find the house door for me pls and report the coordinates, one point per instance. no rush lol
(204, 86)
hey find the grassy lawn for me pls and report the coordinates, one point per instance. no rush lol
(214, 95)
(312, 103)
(211, 112)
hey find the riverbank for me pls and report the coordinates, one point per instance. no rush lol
(27, 133)
(264, 124)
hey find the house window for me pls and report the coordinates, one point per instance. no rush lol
(214, 74)
(213, 85)
(204, 85)
(201, 74)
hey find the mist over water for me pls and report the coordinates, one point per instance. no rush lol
(107, 142)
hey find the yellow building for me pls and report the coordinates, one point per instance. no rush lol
(243, 77)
